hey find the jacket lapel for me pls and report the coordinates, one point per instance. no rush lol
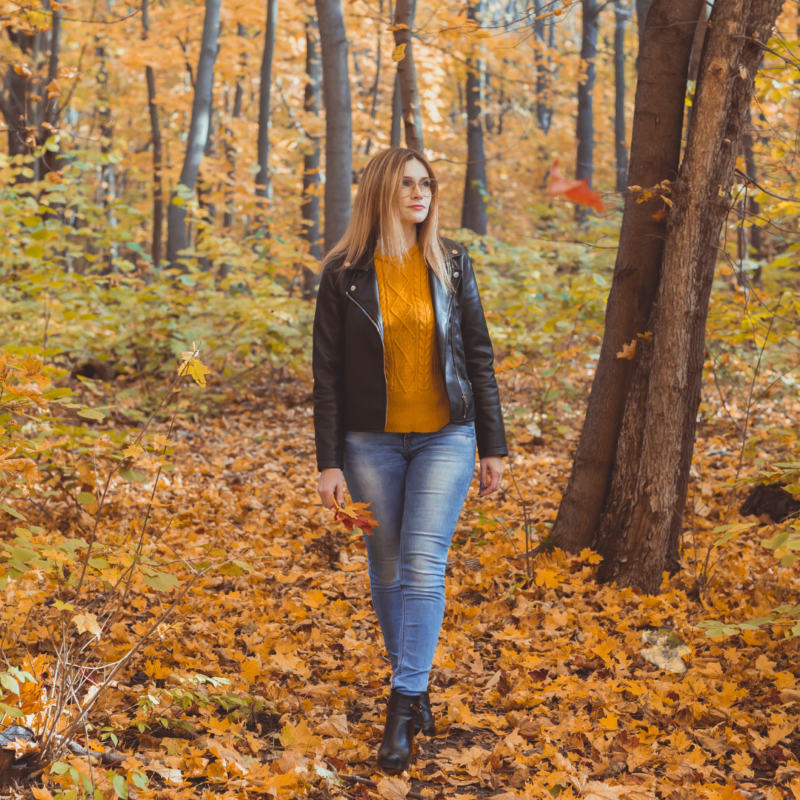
(366, 291)
(440, 300)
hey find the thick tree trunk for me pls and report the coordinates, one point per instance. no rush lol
(396, 134)
(16, 99)
(311, 160)
(473, 212)
(621, 17)
(198, 129)
(263, 182)
(655, 156)
(585, 121)
(544, 109)
(338, 120)
(648, 490)
(376, 85)
(155, 133)
(409, 95)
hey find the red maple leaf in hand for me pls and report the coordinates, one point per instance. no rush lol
(355, 515)
(577, 191)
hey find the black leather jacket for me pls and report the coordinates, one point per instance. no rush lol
(348, 359)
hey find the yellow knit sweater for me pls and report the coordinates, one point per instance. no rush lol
(417, 396)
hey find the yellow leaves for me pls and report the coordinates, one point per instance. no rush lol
(610, 722)
(741, 764)
(251, 669)
(53, 89)
(315, 599)
(23, 69)
(393, 789)
(604, 650)
(299, 738)
(191, 366)
(400, 27)
(628, 351)
(155, 670)
(399, 53)
(547, 578)
(87, 623)
(133, 451)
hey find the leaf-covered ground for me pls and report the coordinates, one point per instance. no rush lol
(539, 687)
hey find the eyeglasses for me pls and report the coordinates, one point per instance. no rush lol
(427, 187)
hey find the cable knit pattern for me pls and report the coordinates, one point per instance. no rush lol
(416, 392)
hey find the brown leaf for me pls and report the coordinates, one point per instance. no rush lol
(628, 351)
(393, 789)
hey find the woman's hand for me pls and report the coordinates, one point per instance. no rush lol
(491, 472)
(331, 484)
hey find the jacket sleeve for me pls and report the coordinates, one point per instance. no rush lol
(328, 368)
(489, 428)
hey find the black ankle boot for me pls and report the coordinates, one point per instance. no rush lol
(425, 722)
(398, 732)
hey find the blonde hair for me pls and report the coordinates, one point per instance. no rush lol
(375, 222)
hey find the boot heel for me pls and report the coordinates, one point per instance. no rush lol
(425, 721)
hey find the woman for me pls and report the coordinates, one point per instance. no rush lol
(403, 387)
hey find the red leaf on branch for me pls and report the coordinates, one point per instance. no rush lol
(577, 191)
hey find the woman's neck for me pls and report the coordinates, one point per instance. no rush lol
(410, 235)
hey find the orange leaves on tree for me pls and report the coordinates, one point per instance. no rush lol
(356, 515)
(578, 191)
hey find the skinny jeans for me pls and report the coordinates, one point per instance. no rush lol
(416, 484)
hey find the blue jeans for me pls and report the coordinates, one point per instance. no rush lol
(416, 484)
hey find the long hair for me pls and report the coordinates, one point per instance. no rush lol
(375, 223)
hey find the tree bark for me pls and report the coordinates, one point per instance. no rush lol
(263, 182)
(406, 72)
(621, 17)
(655, 156)
(396, 134)
(230, 149)
(15, 101)
(376, 85)
(311, 160)
(585, 121)
(155, 133)
(198, 129)
(642, 10)
(648, 491)
(338, 120)
(473, 213)
(753, 207)
(694, 64)
(544, 109)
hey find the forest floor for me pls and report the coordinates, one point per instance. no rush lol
(539, 686)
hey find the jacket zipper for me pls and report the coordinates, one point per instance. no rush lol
(383, 349)
(453, 353)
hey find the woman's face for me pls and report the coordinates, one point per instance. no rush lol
(414, 205)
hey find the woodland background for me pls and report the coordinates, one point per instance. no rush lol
(180, 615)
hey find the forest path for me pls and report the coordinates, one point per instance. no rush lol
(534, 685)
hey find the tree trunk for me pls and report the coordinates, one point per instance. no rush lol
(15, 101)
(473, 213)
(338, 120)
(753, 207)
(396, 134)
(263, 183)
(544, 109)
(412, 119)
(694, 64)
(585, 122)
(621, 17)
(155, 133)
(648, 490)
(642, 10)
(655, 156)
(230, 149)
(376, 86)
(311, 160)
(198, 129)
